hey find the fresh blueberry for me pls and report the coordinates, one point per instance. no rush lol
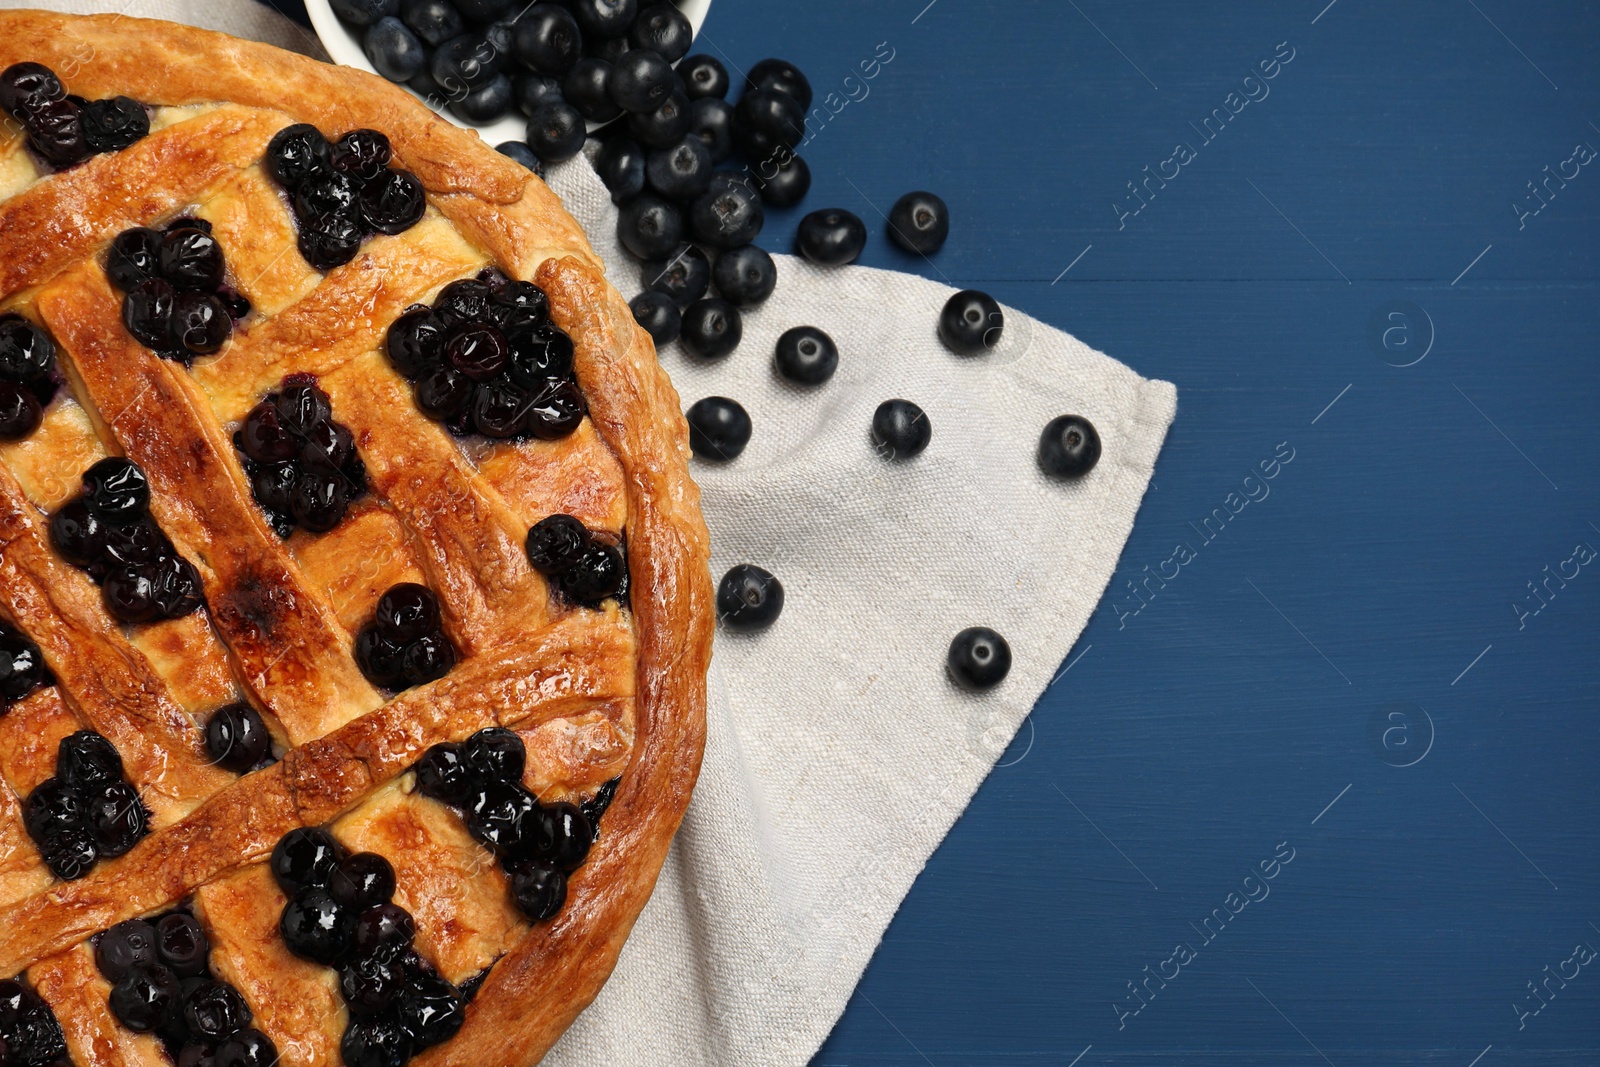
(502, 34)
(315, 926)
(745, 276)
(609, 49)
(237, 738)
(749, 599)
(806, 356)
(395, 200)
(147, 313)
(364, 12)
(1069, 447)
(435, 21)
(519, 151)
(394, 51)
(765, 121)
(305, 857)
(641, 81)
(464, 63)
(711, 122)
(719, 428)
(497, 754)
(919, 222)
(666, 125)
(605, 18)
(621, 166)
(728, 214)
(533, 90)
(779, 75)
(600, 572)
(114, 124)
(181, 944)
(587, 88)
(662, 29)
(129, 946)
(20, 413)
(117, 489)
(362, 880)
(900, 429)
(649, 226)
(658, 314)
(712, 327)
(979, 659)
(539, 889)
(703, 77)
(200, 324)
(548, 39)
(487, 103)
(297, 152)
(146, 999)
(684, 276)
(556, 132)
(135, 257)
(831, 237)
(483, 10)
(681, 172)
(971, 322)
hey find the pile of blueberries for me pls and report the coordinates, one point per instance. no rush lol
(237, 738)
(66, 130)
(342, 193)
(538, 845)
(585, 566)
(108, 532)
(28, 375)
(22, 668)
(87, 810)
(174, 299)
(403, 645)
(341, 913)
(303, 466)
(29, 1033)
(161, 984)
(486, 358)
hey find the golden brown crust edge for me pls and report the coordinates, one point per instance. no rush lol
(537, 989)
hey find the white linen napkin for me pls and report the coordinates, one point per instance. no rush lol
(839, 755)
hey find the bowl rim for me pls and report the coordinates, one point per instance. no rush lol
(343, 45)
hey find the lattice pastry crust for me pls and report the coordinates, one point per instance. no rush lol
(596, 694)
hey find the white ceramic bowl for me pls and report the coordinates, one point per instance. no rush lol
(344, 45)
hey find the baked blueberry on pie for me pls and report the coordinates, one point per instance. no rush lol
(354, 611)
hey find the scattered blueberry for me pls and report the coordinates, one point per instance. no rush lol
(487, 103)
(719, 428)
(919, 222)
(662, 29)
(684, 276)
(435, 21)
(703, 77)
(556, 132)
(831, 237)
(765, 121)
(728, 214)
(971, 322)
(649, 226)
(532, 90)
(1069, 447)
(364, 12)
(711, 122)
(788, 183)
(749, 599)
(681, 171)
(587, 87)
(548, 39)
(712, 327)
(745, 276)
(779, 75)
(664, 126)
(605, 18)
(621, 166)
(806, 356)
(979, 659)
(659, 315)
(519, 151)
(900, 429)
(641, 81)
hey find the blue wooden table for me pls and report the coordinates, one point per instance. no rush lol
(1319, 782)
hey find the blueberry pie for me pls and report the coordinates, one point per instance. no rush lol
(354, 606)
